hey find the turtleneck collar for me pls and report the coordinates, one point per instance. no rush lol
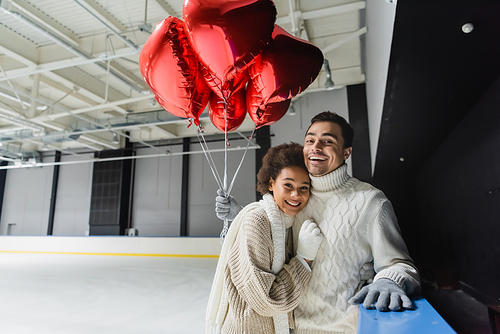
(330, 181)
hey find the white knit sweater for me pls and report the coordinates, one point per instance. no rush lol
(359, 226)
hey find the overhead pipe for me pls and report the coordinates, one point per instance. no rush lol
(167, 154)
(123, 38)
(58, 65)
(18, 121)
(31, 111)
(67, 46)
(101, 106)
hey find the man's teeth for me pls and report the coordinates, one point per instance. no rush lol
(293, 204)
(317, 158)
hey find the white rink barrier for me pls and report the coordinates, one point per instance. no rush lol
(113, 245)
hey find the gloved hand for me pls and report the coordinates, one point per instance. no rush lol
(226, 207)
(310, 238)
(386, 293)
(367, 272)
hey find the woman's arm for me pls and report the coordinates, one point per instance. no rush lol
(250, 264)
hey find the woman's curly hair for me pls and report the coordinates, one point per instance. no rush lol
(277, 158)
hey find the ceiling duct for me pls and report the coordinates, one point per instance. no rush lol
(15, 151)
(15, 135)
(62, 137)
(137, 119)
(22, 122)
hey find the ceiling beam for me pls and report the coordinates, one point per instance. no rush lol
(19, 49)
(75, 50)
(99, 141)
(46, 21)
(162, 130)
(97, 10)
(56, 65)
(101, 106)
(335, 45)
(329, 11)
(86, 81)
(62, 88)
(166, 8)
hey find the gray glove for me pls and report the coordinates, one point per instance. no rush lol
(310, 238)
(385, 293)
(226, 207)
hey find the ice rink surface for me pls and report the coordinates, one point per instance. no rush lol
(97, 294)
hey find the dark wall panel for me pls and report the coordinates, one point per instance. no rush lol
(459, 200)
(358, 118)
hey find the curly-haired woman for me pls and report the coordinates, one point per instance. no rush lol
(258, 282)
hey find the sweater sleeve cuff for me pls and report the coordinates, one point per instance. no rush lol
(406, 281)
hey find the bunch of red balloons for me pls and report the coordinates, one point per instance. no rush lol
(231, 55)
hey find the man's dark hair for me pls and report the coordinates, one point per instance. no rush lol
(277, 158)
(328, 116)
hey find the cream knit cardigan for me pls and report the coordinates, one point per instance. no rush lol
(218, 301)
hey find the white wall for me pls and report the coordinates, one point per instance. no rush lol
(25, 209)
(157, 193)
(380, 20)
(74, 191)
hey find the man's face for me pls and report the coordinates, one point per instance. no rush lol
(324, 148)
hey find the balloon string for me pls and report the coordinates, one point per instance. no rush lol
(210, 160)
(225, 147)
(241, 162)
(224, 231)
(226, 191)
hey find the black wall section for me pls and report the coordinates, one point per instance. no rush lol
(358, 118)
(53, 194)
(437, 74)
(184, 188)
(263, 139)
(126, 187)
(459, 197)
(3, 177)
(109, 206)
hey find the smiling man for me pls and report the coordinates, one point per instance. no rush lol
(359, 226)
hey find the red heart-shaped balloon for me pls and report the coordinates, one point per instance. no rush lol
(285, 68)
(238, 82)
(226, 35)
(235, 113)
(268, 115)
(172, 71)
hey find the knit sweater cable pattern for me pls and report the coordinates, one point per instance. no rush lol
(359, 226)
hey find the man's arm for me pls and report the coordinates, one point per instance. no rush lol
(396, 276)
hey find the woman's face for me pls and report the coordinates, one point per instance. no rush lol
(291, 189)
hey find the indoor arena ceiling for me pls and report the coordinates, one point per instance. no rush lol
(70, 79)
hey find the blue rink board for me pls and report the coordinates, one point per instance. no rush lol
(424, 319)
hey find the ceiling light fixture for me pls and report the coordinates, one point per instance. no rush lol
(467, 28)
(115, 139)
(328, 83)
